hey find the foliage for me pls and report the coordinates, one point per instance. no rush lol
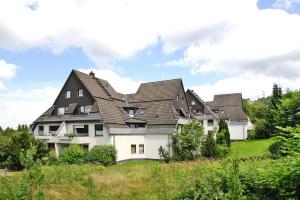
(164, 154)
(52, 158)
(32, 176)
(4, 140)
(18, 144)
(289, 114)
(22, 127)
(223, 135)
(102, 154)
(284, 147)
(209, 147)
(186, 143)
(73, 154)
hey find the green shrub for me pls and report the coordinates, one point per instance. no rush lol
(186, 143)
(284, 147)
(102, 154)
(18, 144)
(73, 154)
(209, 147)
(52, 158)
(164, 154)
(225, 137)
(251, 135)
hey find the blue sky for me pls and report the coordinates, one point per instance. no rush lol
(234, 47)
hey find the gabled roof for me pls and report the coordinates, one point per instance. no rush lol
(207, 109)
(154, 98)
(231, 104)
(156, 91)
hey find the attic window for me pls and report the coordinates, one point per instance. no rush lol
(136, 125)
(131, 111)
(193, 102)
(68, 94)
(177, 98)
(61, 111)
(80, 93)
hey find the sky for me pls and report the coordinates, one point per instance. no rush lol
(214, 46)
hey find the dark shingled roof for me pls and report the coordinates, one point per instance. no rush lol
(231, 104)
(207, 109)
(154, 101)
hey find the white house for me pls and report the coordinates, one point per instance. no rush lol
(89, 112)
(226, 106)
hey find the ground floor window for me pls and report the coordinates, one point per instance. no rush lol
(53, 129)
(41, 130)
(210, 122)
(51, 146)
(133, 149)
(98, 129)
(81, 130)
(141, 149)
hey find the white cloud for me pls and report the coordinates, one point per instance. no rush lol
(285, 4)
(24, 106)
(120, 84)
(251, 86)
(7, 71)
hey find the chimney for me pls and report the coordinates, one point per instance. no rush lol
(92, 74)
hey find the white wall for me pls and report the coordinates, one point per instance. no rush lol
(123, 145)
(238, 131)
(153, 142)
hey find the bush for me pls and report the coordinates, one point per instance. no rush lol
(284, 147)
(209, 147)
(186, 143)
(73, 154)
(220, 138)
(164, 154)
(223, 128)
(102, 154)
(18, 144)
(251, 135)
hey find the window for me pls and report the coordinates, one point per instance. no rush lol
(98, 129)
(87, 109)
(177, 98)
(81, 130)
(210, 122)
(130, 112)
(53, 129)
(68, 94)
(140, 125)
(41, 130)
(80, 93)
(193, 103)
(141, 149)
(81, 109)
(61, 111)
(133, 149)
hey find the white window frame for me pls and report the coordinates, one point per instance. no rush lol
(141, 147)
(68, 94)
(61, 111)
(132, 145)
(209, 124)
(80, 111)
(99, 132)
(80, 93)
(41, 132)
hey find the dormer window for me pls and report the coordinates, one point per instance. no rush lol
(193, 102)
(61, 111)
(131, 110)
(81, 109)
(68, 94)
(80, 93)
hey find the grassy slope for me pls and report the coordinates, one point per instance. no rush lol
(140, 180)
(250, 148)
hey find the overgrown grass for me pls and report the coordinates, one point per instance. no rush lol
(250, 148)
(139, 179)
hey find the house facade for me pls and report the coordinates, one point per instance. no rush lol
(88, 111)
(225, 106)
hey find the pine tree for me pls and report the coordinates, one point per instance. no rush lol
(223, 132)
